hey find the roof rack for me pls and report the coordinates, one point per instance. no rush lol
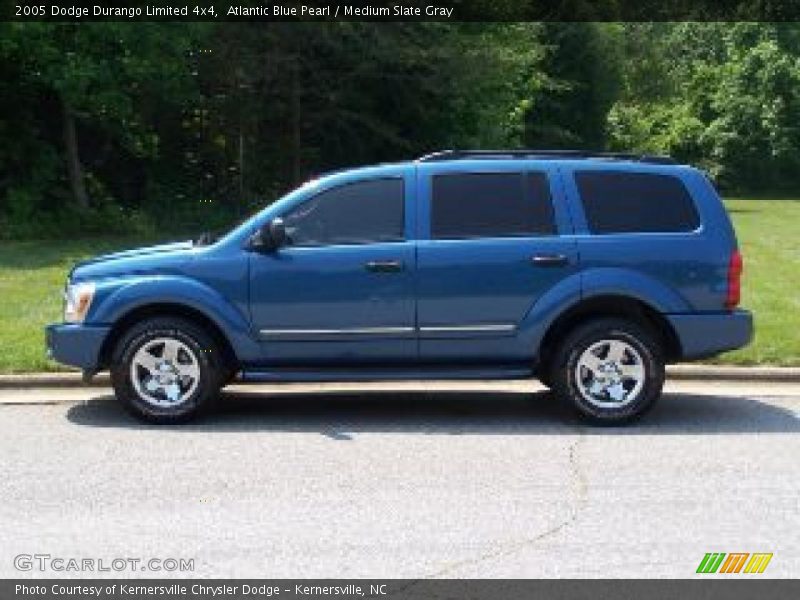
(544, 154)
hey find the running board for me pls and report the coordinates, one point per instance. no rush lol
(308, 374)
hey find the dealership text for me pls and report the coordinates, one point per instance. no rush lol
(197, 589)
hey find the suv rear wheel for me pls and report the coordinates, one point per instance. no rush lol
(611, 370)
(166, 370)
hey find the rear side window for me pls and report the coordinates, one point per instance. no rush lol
(617, 202)
(469, 205)
(354, 213)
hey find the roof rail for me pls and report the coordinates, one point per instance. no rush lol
(544, 154)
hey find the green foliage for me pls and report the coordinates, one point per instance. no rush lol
(119, 85)
(196, 122)
(195, 125)
(726, 96)
(21, 221)
(577, 85)
(109, 73)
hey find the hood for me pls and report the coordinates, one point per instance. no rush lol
(149, 259)
(147, 250)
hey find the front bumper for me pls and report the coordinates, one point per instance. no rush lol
(76, 344)
(703, 335)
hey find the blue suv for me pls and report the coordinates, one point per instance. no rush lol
(587, 271)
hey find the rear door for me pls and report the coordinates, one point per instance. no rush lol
(494, 237)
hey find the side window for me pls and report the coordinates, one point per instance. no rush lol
(619, 202)
(354, 213)
(469, 205)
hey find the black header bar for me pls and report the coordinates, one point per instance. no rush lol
(399, 10)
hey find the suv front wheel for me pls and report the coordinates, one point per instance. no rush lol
(611, 370)
(166, 370)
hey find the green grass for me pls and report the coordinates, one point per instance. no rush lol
(32, 277)
(769, 238)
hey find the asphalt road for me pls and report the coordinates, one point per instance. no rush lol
(404, 480)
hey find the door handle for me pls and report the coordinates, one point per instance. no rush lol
(384, 266)
(549, 260)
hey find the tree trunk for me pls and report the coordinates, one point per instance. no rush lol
(74, 166)
(296, 165)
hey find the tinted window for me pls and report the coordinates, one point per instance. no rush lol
(355, 213)
(617, 202)
(466, 205)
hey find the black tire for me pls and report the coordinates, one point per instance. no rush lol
(569, 378)
(189, 336)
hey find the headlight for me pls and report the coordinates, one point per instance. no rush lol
(78, 299)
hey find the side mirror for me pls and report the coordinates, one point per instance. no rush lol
(271, 236)
(277, 232)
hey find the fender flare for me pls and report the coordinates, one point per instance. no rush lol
(612, 281)
(139, 293)
(595, 283)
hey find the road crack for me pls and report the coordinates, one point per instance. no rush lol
(579, 487)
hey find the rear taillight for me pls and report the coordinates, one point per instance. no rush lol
(735, 266)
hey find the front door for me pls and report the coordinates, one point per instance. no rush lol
(341, 291)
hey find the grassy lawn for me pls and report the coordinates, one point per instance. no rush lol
(769, 240)
(32, 277)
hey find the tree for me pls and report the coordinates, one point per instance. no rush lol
(104, 79)
(728, 99)
(579, 84)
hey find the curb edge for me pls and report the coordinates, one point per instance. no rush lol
(674, 372)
